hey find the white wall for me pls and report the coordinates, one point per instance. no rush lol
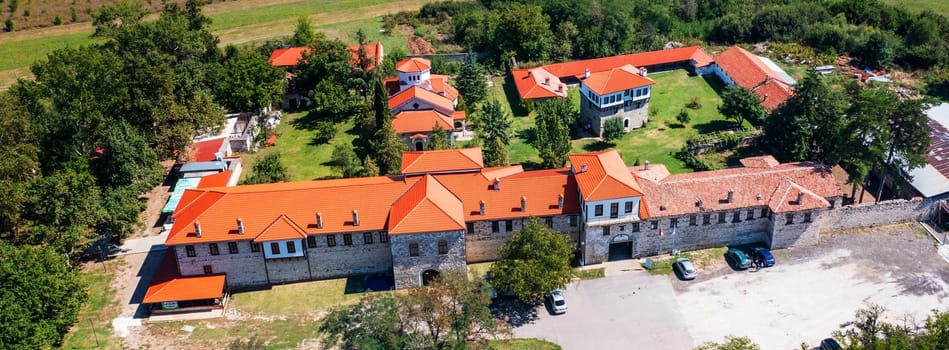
(590, 209)
(297, 243)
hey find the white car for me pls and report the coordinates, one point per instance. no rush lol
(557, 303)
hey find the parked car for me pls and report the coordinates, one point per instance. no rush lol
(557, 303)
(737, 258)
(765, 256)
(685, 268)
(830, 344)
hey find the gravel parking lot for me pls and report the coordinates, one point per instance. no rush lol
(812, 290)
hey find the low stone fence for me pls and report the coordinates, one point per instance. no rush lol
(876, 214)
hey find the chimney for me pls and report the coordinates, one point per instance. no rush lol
(643, 72)
(523, 203)
(698, 203)
(646, 165)
(197, 229)
(497, 185)
(586, 73)
(560, 202)
(759, 196)
(240, 226)
(800, 198)
(547, 81)
(583, 168)
(355, 217)
(319, 220)
(482, 208)
(731, 195)
(560, 88)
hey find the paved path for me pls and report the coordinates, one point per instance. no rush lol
(143, 244)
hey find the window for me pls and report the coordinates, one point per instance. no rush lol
(189, 250)
(789, 218)
(674, 222)
(367, 237)
(331, 241)
(383, 237)
(751, 214)
(509, 225)
(765, 213)
(622, 228)
(469, 226)
(635, 227)
(807, 217)
(736, 216)
(629, 205)
(232, 247)
(614, 210)
(606, 230)
(311, 241)
(214, 249)
(442, 246)
(413, 249)
(653, 225)
(706, 218)
(721, 218)
(347, 239)
(208, 269)
(255, 247)
(275, 248)
(549, 221)
(692, 220)
(291, 247)
(598, 210)
(573, 221)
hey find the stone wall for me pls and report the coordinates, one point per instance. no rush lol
(876, 214)
(482, 244)
(798, 233)
(407, 269)
(342, 260)
(244, 269)
(597, 118)
(286, 270)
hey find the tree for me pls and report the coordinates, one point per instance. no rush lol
(439, 139)
(40, 297)
(495, 153)
(731, 343)
(683, 117)
(879, 49)
(471, 83)
(740, 104)
(533, 262)
(303, 34)
(811, 124)
(909, 140)
(552, 131)
(387, 148)
(112, 16)
(268, 169)
(124, 159)
(375, 322)
(869, 139)
(346, 162)
(63, 210)
(613, 129)
(248, 82)
(369, 167)
(494, 122)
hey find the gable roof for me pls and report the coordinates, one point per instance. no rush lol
(538, 83)
(542, 189)
(205, 151)
(615, 80)
(167, 285)
(419, 93)
(419, 121)
(746, 69)
(642, 59)
(605, 177)
(216, 180)
(287, 56)
(773, 93)
(373, 52)
(453, 160)
(282, 228)
(426, 207)
(413, 65)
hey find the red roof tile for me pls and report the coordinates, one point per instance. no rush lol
(642, 59)
(616, 79)
(216, 180)
(413, 64)
(205, 150)
(419, 121)
(538, 83)
(282, 228)
(453, 160)
(373, 52)
(287, 57)
(167, 285)
(606, 176)
(542, 188)
(459, 115)
(426, 207)
(773, 94)
(744, 68)
(419, 93)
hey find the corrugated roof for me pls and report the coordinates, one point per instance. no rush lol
(426, 207)
(616, 80)
(538, 83)
(179, 190)
(419, 121)
(605, 177)
(453, 160)
(413, 65)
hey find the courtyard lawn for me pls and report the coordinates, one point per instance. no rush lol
(98, 311)
(304, 159)
(663, 136)
(286, 300)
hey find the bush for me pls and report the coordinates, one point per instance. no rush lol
(694, 103)
(683, 116)
(8, 25)
(613, 129)
(57, 21)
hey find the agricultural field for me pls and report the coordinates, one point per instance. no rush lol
(937, 6)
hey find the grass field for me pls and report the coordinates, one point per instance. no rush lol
(96, 314)
(700, 258)
(937, 6)
(304, 159)
(522, 344)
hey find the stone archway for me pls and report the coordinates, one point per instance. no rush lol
(429, 276)
(419, 146)
(621, 248)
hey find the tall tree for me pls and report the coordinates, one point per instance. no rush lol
(439, 139)
(552, 131)
(613, 129)
(268, 169)
(494, 122)
(869, 137)
(111, 16)
(303, 34)
(533, 262)
(811, 124)
(19, 160)
(248, 82)
(471, 83)
(375, 322)
(495, 153)
(387, 148)
(346, 162)
(740, 104)
(908, 142)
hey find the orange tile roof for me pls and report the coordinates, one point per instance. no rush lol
(606, 176)
(393, 85)
(453, 160)
(773, 94)
(426, 207)
(542, 189)
(419, 121)
(459, 115)
(642, 59)
(287, 56)
(216, 180)
(416, 92)
(744, 68)
(282, 228)
(413, 64)
(372, 52)
(205, 150)
(418, 136)
(538, 83)
(439, 84)
(616, 79)
(777, 184)
(167, 285)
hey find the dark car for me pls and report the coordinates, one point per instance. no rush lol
(737, 258)
(829, 344)
(764, 255)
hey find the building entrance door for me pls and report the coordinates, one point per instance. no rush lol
(621, 248)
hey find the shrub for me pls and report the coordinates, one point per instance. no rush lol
(8, 25)
(683, 116)
(57, 21)
(694, 103)
(613, 129)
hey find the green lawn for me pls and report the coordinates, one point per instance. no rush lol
(286, 300)
(97, 313)
(522, 344)
(304, 159)
(938, 6)
(700, 258)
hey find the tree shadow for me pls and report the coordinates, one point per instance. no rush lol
(528, 135)
(938, 89)
(715, 83)
(734, 159)
(677, 126)
(513, 97)
(516, 312)
(531, 165)
(597, 146)
(713, 126)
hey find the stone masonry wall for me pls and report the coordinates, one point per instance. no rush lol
(482, 244)
(876, 214)
(407, 269)
(799, 233)
(342, 260)
(286, 270)
(244, 269)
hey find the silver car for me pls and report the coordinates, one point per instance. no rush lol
(557, 303)
(685, 268)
